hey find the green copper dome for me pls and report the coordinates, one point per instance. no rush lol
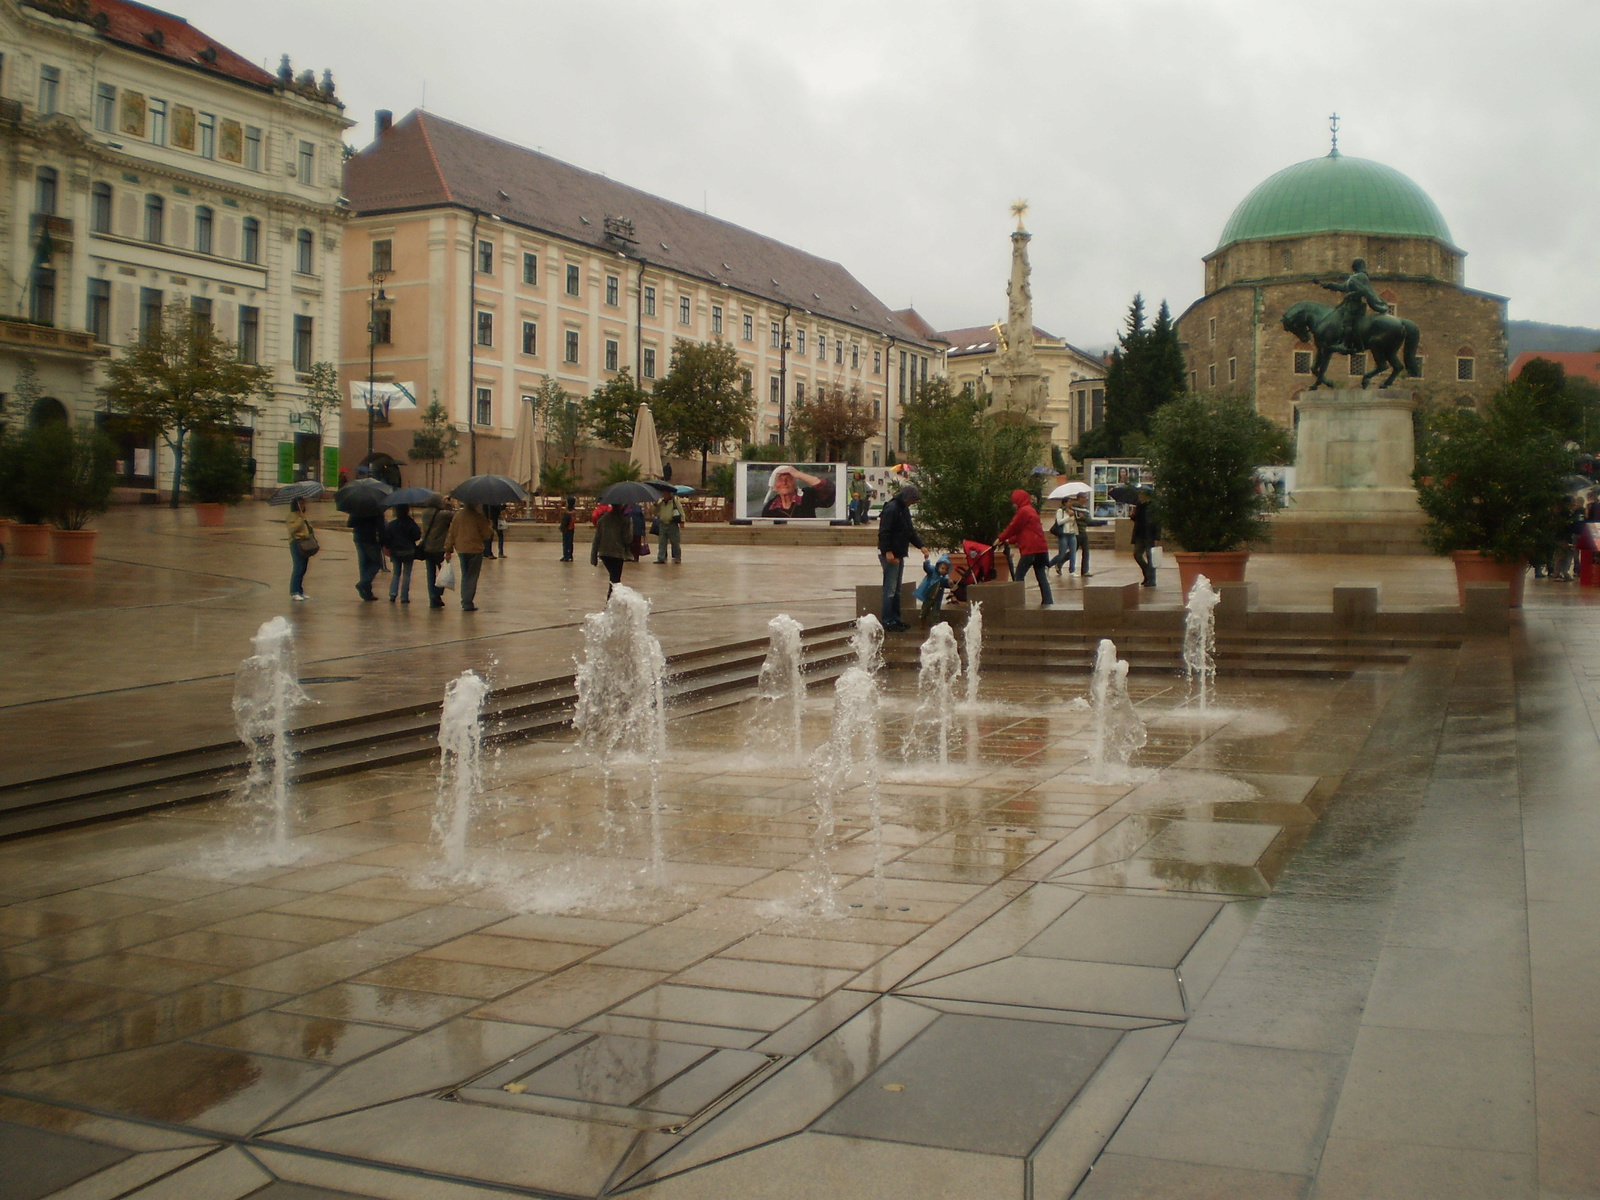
(1335, 193)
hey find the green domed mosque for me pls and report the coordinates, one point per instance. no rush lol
(1307, 223)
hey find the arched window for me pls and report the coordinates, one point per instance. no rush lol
(250, 251)
(44, 193)
(302, 258)
(100, 208)
(203, 220)
(154, 215)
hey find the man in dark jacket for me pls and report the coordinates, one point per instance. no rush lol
(1146, 533)
(367, 531)
(896, 536)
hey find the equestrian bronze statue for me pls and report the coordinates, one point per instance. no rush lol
(1351, 329)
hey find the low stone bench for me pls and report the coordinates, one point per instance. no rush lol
(1108, 601)
(998, 595)
(1355, 606)
(1234, 602)
(1488, 607)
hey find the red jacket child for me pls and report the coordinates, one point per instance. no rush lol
(1025, 532)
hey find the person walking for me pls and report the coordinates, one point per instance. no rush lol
(896, 536)
(367, 532)
(1078, 512)
(435, 526)
(497, 526)
(469, 534)
(1146, 533)
(302, 545)
(1065, 528)
(1027, 535)
(669, 523)
(569, 527)
(613, 542)
(400, 538)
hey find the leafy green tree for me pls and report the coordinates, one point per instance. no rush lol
(610, 411)
(434, 443)
(969, 461)
(619, 470)
(1145, 372)
(219, 472)
(77, 470)
(836, 422)
(704, 399)
(566, 428)
(1205, 450)
(323, 397)
(1569, 405)
(182, 378)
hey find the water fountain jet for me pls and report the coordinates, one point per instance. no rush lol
(460, 765)
(1200, 640)
(972, 641)
(781, 689)
(1118, 731)
(266, 692)
(936, 683)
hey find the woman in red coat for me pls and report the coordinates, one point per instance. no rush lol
(1027, 535)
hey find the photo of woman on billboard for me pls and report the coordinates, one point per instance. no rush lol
(793, 493)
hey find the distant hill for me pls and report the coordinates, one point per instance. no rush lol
(1522, 336)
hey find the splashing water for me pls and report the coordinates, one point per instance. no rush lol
(622, 707)
(266, 691)
(460, 765)
(781, 689)
(851, 753)
(1200, 640)
(936, 687)
(972, 641)
(867, 644)
(1118, 731)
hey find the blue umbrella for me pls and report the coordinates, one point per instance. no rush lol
(683, 489)
(413, 495)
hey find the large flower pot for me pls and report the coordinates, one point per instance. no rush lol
(30, 541)
(211, 515)
(73, 547)
(5, 530)
(1473, 567)
(1219, 566)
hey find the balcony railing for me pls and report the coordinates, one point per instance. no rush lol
(48, 339)
(60, 228)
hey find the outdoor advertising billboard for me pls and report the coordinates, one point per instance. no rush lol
(789, 492)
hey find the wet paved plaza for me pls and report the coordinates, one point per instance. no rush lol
(1338, 940)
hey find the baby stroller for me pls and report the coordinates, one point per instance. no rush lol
(979, 568)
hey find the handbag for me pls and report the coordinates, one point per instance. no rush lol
(655, 527)
(1155, 557)
(308, 544)
(446, 577)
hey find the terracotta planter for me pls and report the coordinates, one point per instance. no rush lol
(1219, 566)
(1473, 567)
(73, 547)
(5, 530)
(211, 515)
(30, 541)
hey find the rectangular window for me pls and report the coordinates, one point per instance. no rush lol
(208, 135)
(1464, 370)
(383, 255)
(1302, 362)
(649, 368)
(572, 345)
(1211, 327)
(249, 334)
(877, 362)
(822, 347)
(303, 261)
(158, 122)
(1097, 406)
(611, 290)
(382, 326)
(777, 336)
(43, 308)
(716, 320)
(250, 245)
(799, 394)
(1358, 364)
(100, 208)
(649, 302)
(252, 148)
(855, 358)
(749, 328)
(485, 329)
(1083, 412)
(45, 184)
(530, 337)
(838, 353)
(683, 310)
(203, 223)
(772, 389)
(154, 218)
(49, 90)
(98, 319)
(572, 279)
(1211, 373)
(530, 269)
(200, 309)
(303, 349)
(485, 258)
(611, 354)
(150, 300)
(800, 342)
(1233, 370)
(307, 162)
(1422, 367)
(903, 357)
(485, 413)
(105, 107)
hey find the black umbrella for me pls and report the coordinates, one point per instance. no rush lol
(632, 491)
(1126, 494)
(490, 489)
(422, 496)
(306, 489)
(363, 498)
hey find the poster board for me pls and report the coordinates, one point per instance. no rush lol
(1277, 483)
(1105, 474)
(756, 492)
(385, 396)
(879, 485)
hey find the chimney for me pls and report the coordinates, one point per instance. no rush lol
(382, 121)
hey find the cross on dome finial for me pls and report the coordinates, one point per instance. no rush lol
(1333, 126)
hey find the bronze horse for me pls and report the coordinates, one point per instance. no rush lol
(1392, 341)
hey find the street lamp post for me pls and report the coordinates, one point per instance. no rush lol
(377, 297)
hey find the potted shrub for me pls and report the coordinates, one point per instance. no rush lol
(217, 475)
(23, 494)
(1492, 485)
(76, 470)
(1205, 451)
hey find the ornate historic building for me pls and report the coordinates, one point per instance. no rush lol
(1306, 224)
(146, 163)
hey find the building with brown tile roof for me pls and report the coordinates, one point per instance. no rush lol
(1584, 364)
(505, 267)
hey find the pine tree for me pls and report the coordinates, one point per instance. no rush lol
(1146, 371)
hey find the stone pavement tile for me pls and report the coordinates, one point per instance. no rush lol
(494, 1145)
(1058, 984)
(666, 948)
(1421, 988)
(673, 1031)
(1357, 1169)
(64, 999)
(1136, 930)
(1133, 1177)
(1466, 924)
(1567, 1092)
(1300, 1001)
(93, 903)
(290, 1035)
(570, 996)
(313, 1177)
(131, 1173)
(811, 952)
(235, 902)
(520, 953)
(432, 1061)
(233, 951)
(1471, 1091)
(39, 1162)
(579, 930)
(715, 1006)
(39, 923)
(159, 886)
(782, 979)
(378, 1005)
(1251, 1107)
(228, 1174)
(448, 978)
(319, 966)
(363, 909)
(140, 972)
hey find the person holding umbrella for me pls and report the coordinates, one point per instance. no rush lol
(363, 502)
(1065, 526)
(613, 525)
(297, 528)
(469, 532)
(400, 537)
(435, 526)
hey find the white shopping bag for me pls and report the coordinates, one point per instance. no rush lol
(447, 575)
(1155, 557)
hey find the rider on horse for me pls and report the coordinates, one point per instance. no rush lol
(1359, 296)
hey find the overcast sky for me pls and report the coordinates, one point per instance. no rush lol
(892, 135)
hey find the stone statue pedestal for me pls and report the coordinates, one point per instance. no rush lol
(1354, 452)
